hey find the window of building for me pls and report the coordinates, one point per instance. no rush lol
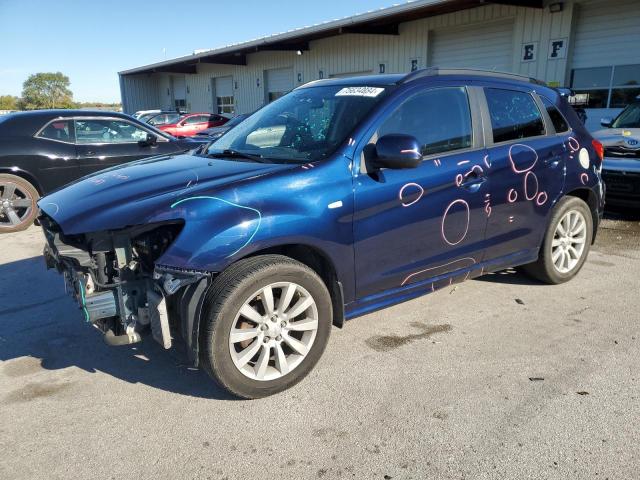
(226, 105)
(558, 120)
(608, 87)
(107, 131)
(180, 103)
(276, 95)
(60, 130)
(440, 119)
(514, 115)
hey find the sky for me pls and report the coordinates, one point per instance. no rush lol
(91, 41)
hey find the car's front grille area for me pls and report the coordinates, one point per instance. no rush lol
(621, 152)
(622, 184)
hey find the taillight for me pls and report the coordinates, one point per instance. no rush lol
(599, 148)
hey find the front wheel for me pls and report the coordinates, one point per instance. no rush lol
(266, 323)
(566, 243)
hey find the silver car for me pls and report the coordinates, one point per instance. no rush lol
(621, 166)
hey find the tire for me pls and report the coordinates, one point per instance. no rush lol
(546, 268)
(252, 368)
(18, 209)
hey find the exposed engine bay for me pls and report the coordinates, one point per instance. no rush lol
(120, 288)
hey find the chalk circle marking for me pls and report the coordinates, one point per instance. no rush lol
(584, 178)
(542, 198)
(402, 192)
(526, 186)
(444, 219)
(523, 149)
(512, 196)
(574, 145)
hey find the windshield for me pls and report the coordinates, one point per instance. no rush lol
(306, 125)
(629, 117)
(235, 121)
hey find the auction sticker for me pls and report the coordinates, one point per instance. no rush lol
(360, 92)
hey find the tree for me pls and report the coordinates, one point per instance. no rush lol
(8, 102)
(46, 90)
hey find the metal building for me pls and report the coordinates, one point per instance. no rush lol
(589, 45)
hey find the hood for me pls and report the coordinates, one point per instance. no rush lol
(142, 192)
(618, 136)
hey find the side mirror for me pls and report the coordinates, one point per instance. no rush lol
(397, 151)
(150, 141)
(606, 122)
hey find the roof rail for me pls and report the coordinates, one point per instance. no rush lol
(438, 71)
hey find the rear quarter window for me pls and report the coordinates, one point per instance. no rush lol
(60, 130)
(557, 119)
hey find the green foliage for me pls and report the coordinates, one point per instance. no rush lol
(113, 106)
(46, 90)
(8, 102)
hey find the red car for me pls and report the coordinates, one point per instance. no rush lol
(192, 123)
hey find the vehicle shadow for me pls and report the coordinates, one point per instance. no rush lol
(621, 213)
(510, 276)
(38, 320)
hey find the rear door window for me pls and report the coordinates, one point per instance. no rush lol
(514, 115)
(559, 122)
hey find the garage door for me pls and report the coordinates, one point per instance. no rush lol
(606, 58)
(607, 33)
(488, 46)
(179, 92)
(279, 82)
(223, 91)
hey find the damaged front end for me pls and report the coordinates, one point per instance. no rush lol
(122, 290)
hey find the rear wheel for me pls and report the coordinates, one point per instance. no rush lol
(18, 199)
(566, 243)
(266, 323)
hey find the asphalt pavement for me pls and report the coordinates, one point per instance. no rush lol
(498, 378)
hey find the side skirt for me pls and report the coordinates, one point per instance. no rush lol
(410, 291)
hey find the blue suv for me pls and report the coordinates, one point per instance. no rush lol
(341, 198)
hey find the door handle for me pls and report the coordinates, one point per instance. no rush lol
(553, 159)
(473, 176)
(90, 152)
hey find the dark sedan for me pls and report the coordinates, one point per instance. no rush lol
(215, 133)
(46, 149)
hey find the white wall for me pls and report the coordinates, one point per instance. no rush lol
(358, 53)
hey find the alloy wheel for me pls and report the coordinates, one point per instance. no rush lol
(273, 331)
(16, 205)
(569, 241)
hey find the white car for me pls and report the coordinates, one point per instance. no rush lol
(621, 166)
(140, 113)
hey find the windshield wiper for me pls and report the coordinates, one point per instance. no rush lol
(238, 154)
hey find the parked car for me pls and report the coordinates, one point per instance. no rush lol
(621, 166)
(193, 123)
(165, 118)
(140, 113)
(375, 190)
(45, 149)
(217, 132)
